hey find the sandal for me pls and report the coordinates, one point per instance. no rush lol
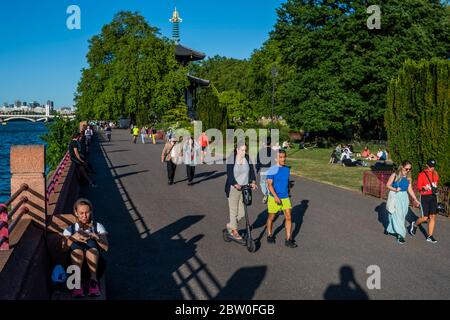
(236, 236)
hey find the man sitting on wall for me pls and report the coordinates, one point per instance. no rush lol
(76, 157)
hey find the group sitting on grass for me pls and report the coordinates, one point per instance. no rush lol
(343, 154)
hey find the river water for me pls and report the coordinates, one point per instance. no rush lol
(16, 133)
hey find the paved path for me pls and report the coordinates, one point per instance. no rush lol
(166, 241)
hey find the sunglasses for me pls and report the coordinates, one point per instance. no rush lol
(407, 169)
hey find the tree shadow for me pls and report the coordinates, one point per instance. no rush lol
(129, 174)
(211, 177)
(159, 265)
(347, 289)
(123, 150)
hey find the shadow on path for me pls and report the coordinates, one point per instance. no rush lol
(155, 265)
(383, 217)
(243, 283)
(347, 289)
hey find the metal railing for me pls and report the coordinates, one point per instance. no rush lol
(6, 223)
(57, 175)
(374, 184)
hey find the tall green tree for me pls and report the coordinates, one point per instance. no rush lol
(339, 69)
(58, 137)
(418, 114)
(209, 109)
(132, 72)
(225, 73)
(239, 108)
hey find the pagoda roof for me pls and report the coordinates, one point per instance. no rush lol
(186, 54)
(198, 81)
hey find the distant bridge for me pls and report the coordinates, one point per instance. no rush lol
(31, 117)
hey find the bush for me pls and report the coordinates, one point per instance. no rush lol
(418, 116)
(59, 134)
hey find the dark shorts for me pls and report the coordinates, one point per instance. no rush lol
(429, 204)
(204, 148)
(91, 244)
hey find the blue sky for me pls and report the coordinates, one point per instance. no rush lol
(41, 59)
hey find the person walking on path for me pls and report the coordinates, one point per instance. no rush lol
(427, 184)
(135, 131)
(400, 185)
(204, 142)
(170, 156)
(264, 160)
(240, 172)
(278, 185)
(191, 155)
(108, 132)
(153, 133)
(143, 133)
(88, 133)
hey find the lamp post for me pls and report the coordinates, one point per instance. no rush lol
(274, 73)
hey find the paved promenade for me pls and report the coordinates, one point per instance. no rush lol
(166, 241)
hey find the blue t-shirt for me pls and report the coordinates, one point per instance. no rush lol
(280, 178)
(403, 184)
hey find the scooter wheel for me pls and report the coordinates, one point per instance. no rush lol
(225, 236)
(251, 246)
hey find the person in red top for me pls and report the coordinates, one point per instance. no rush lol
(204, 142)
(427, 184)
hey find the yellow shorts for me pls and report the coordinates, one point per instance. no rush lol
(273, 207)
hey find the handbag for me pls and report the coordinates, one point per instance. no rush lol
(434, 190)
(390, 204)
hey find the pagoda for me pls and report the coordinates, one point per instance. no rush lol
(184, 56)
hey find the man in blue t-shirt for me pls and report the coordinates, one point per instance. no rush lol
(278, 185)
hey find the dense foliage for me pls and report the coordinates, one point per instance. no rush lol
(132, 72)
(210, 111)
(58, 137)
(418, 114)
(323, 69)
(332, 70)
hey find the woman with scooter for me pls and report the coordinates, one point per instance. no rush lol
(240, 173)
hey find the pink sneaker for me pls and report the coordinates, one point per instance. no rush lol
(77, 293)
(94, 288)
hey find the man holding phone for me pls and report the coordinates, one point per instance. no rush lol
(427, 184)
(278, 186)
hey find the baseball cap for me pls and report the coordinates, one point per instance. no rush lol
(431, 163)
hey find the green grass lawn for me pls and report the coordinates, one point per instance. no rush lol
(313, 164)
